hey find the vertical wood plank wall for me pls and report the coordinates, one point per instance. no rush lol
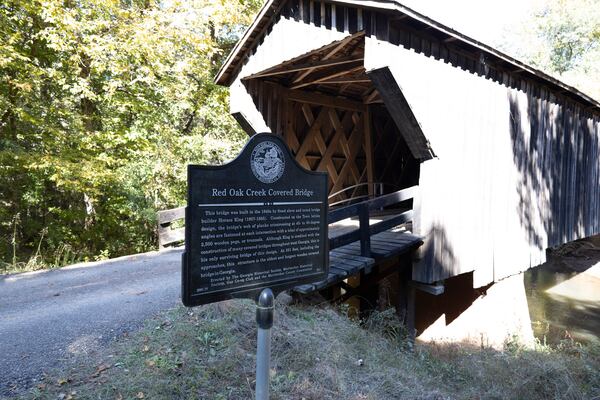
(517, 167)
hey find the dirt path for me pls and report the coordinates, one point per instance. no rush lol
(48, 317)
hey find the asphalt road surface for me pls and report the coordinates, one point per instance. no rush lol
(49, 317)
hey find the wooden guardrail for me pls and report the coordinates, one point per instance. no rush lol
(169, 236)
(363, 210)
(375, 187)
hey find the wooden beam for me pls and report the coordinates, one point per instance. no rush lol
(343, 88)
(435, 290)
(307, 66)
(369, 150)
(324, 100)
(345, 80)
(401, 113)
(328, 77)
(168, 216)
(305, 56)
(333, 52)
(371, 96)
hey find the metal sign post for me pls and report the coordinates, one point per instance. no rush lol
(264, 320)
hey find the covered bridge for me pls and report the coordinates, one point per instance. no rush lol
(505, 157)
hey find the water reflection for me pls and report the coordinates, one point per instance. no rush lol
(564, 295)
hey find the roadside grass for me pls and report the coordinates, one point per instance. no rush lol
(317, 353)
(64, 255)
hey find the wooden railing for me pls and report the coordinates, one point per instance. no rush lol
(167, 236)
(363, 211)
(375, 187)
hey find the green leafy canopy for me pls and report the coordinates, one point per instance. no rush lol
(103, 103)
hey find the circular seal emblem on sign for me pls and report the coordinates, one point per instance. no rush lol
(267, 162)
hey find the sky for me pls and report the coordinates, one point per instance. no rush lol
(482, 20)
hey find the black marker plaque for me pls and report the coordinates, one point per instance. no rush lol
(259, 221)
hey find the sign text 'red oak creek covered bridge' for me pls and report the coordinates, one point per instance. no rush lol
(257, 222)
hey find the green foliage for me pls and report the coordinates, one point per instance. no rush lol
(563, 38)
(103, 103)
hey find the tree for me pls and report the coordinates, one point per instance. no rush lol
(562, 38)
(103, 103)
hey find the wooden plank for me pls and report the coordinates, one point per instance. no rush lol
(305, 289)
(349, 166)
(351, 269)
(352, 20)
(350, 261)
(324, 100)
(170, 236)
(396, 237)
(327, 77)
(382, 26)
(305, 11)
(326, 160)
(374, 204)
(340, 19)
(341, 81)
(395, 243)
(348, 251)
(349, 155)
(333, 16)
(166, 216)
(434, 290)
(401, 113)
(347, 262)
(349, 258)
(311, 66)
(388, 246)
(391, 223)
(365, 237)
(335, 268)
(368, 148)
(327, 14)
(344, 239)
(315, 127)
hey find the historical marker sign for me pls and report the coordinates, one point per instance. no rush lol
(257, 222)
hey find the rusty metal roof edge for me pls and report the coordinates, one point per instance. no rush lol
(394, 5)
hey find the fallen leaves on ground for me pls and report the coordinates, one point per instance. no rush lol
(100, 369)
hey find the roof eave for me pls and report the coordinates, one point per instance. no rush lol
(224, 79)
(221, 78)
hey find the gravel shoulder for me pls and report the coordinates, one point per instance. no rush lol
(48, 318)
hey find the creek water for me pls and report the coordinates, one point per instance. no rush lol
(563, 297)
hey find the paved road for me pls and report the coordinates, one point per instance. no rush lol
(48, 317)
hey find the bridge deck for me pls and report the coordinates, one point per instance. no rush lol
(346, 261)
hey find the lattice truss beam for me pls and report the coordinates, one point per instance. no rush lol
(329, 139)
